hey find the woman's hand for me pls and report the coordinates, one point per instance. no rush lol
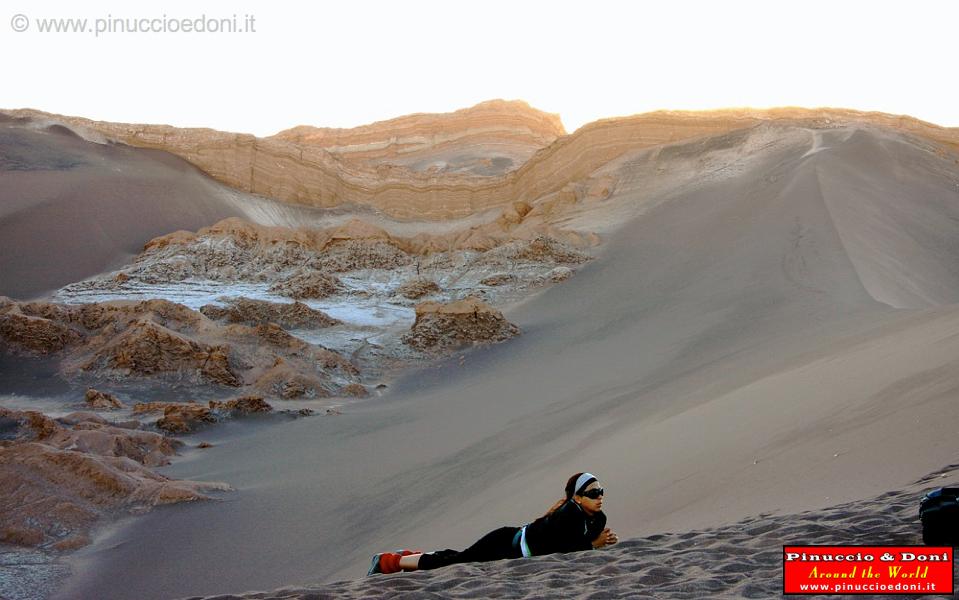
(607, 538)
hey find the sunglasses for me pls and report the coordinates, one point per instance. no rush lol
(593, 494)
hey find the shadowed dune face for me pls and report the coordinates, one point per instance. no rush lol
(72, 208)
(893, 204)
(26, 150)
(767, 307)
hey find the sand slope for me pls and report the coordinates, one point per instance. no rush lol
(72, 208)
(774, 334)
(741, 560)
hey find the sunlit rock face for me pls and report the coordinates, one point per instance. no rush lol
(489, 139)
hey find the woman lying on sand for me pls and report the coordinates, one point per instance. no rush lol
(574, 523)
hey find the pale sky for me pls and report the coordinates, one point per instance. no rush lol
(346, 63)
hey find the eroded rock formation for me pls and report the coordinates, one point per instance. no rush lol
(293, 315)
(146, 348)
(542, 249)
(163, 341)
(59, 478)
(184, 417)
(300, 262)
(101, 400)
(417, 288)
(441, 327)
(305, 284)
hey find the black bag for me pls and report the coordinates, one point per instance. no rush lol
(939, 511)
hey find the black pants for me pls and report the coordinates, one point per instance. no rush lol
(495, 545)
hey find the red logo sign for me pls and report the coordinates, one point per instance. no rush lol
(867, 570)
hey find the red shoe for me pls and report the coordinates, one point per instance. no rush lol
(387, 562)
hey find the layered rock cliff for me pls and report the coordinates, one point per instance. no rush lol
(489, 139)
(319, 168)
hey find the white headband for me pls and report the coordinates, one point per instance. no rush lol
(581, 481)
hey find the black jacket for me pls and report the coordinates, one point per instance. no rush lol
(568, 529)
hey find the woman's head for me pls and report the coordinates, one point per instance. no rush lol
(584, 490)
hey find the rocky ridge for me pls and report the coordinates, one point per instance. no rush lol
(304, 263)
(488, 139)
(292, 169)
(169, 344)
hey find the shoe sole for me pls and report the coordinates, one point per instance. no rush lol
(374, 565)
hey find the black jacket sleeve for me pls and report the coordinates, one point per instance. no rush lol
(568, 529)
(595, 526)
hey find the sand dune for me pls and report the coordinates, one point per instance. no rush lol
(770, 331)
(740, 560)
(72, 208)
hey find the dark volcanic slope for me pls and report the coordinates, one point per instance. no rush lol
(774, 316)
(71, 208)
